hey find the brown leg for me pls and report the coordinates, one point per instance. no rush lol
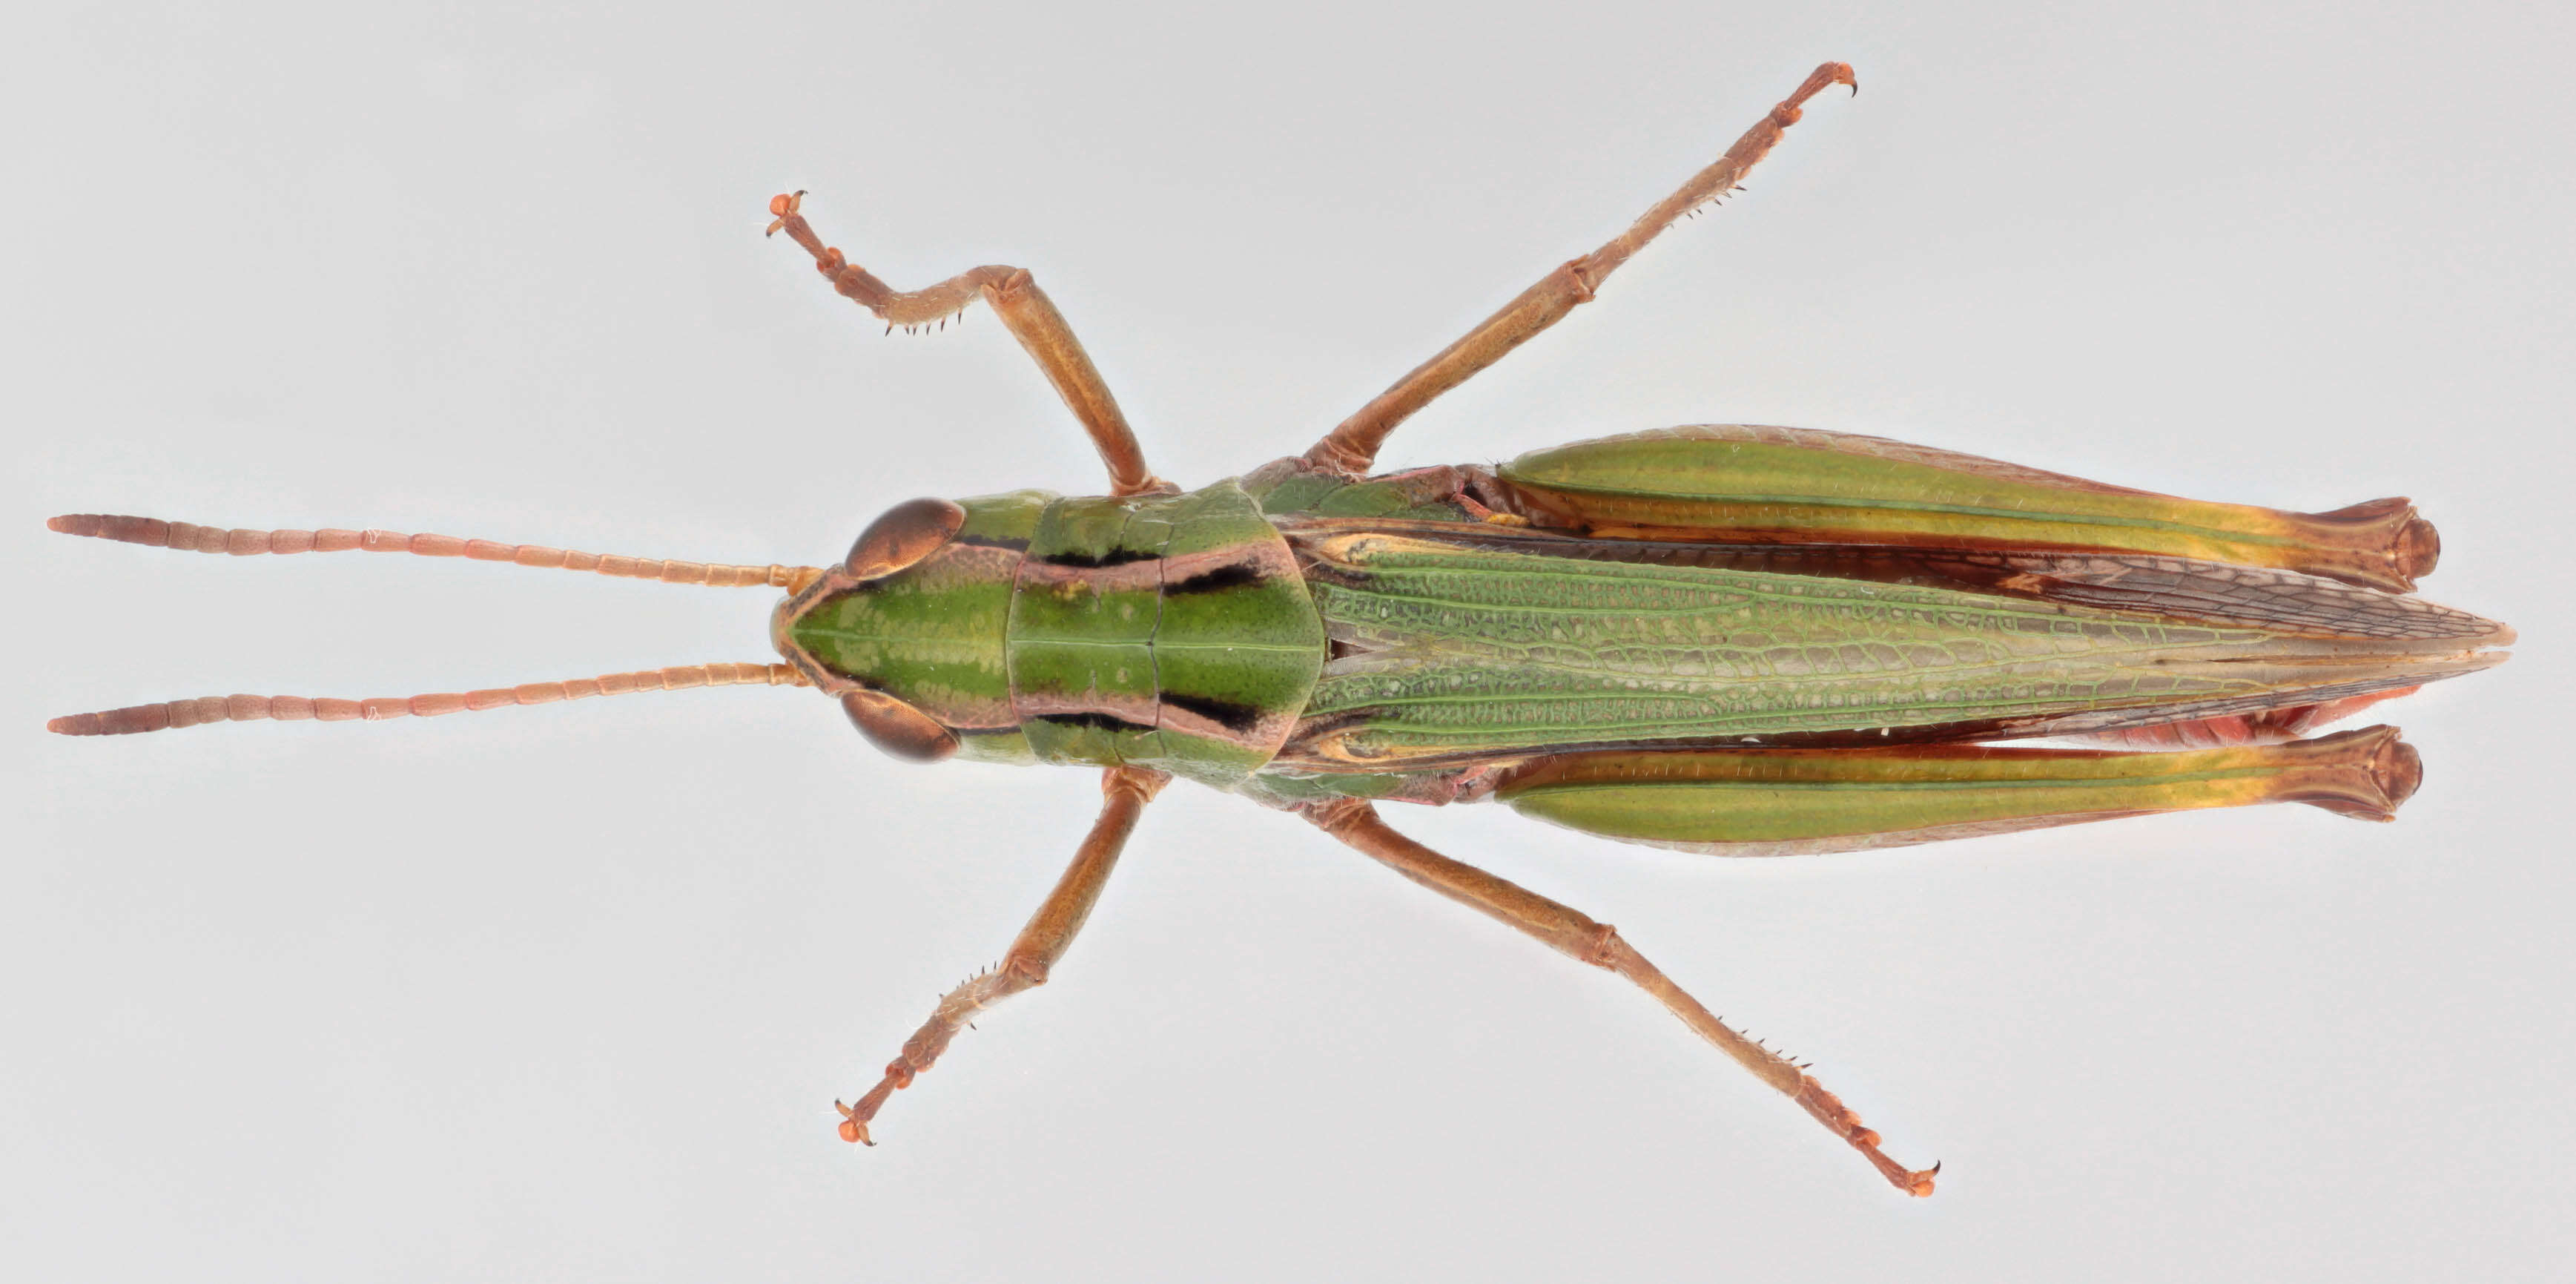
(1032, 318)
(1572, 932)
(1351, 448)
(1036, 949)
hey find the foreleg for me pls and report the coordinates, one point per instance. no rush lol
(1035, 951)
(1031, 317)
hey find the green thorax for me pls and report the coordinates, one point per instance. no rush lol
(1170, 632)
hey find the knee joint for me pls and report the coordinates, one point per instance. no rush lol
(1027, 969)
(1603, 952)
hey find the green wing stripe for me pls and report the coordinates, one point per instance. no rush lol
(1801, 484)
(1452, 651)
(1757, 802)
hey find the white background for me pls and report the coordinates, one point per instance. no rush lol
(566, 993)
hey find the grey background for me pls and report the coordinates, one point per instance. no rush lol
(565, 994)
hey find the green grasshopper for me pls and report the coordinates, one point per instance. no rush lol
(1723, 639)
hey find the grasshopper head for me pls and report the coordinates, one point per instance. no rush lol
(908, 631)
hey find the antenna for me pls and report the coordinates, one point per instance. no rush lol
(249, 543)
(156, 533)
(251, 708)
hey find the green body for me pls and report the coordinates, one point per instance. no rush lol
(1704, 638)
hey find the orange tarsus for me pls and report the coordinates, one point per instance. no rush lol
(853, 1129)
(782, 205)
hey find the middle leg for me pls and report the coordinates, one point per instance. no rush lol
(1352, 447)
(1574, 933)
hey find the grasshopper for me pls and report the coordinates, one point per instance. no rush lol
(1724, 639)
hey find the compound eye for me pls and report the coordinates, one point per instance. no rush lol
(905, 534)
(898, 728)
